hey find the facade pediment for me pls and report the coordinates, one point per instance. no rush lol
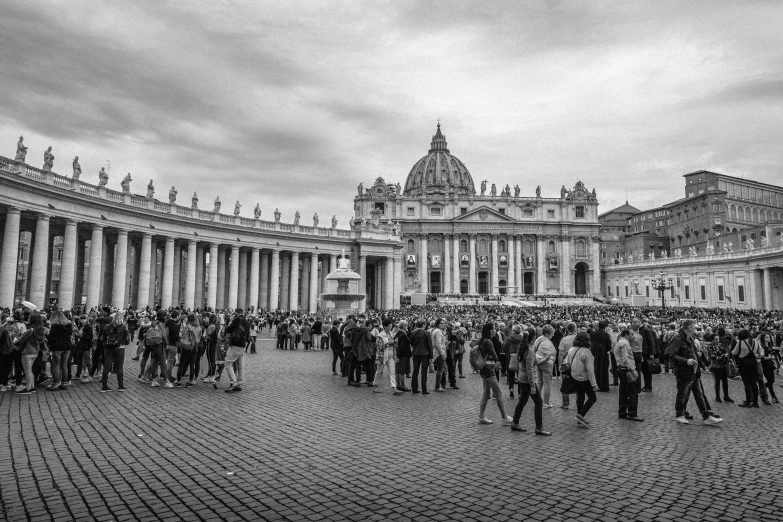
(483, 214)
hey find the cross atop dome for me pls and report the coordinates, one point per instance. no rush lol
(438, 142)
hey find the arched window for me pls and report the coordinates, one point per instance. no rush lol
(755, 216)
(580, 248)
(435, 245)
(552, 247)
(411, 248)
(733, 212)
(482, 246)
(527, 246)
(502, 246)
(463, 246)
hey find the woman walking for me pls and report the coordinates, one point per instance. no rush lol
(115, 337)
(748, 368)
(189, 338)
(404, 354)
(489, 381)
(768, 364)
(719, 367)
(336, 343)
(30, 344)
(59, 340)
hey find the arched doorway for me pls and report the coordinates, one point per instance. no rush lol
(502, 286)
(580, 279)
(463, 286)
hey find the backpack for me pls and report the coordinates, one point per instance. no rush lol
(477, 361)
(114, 337)
(187, 339)
(153, 337)
(237, 337)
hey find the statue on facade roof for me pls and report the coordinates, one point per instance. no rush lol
(315, 219)
(538, 191)
(48, 160)
(77, 169)
(493, 191)
(563, 192)
(237, 208)
(483, 187)
(652, 256)
(172, 195)
(725, 248)
(217, 204)
(663, 254)
(517, 190)
(360, 188)
(334, 221)
(194, 201)
(398, 188)
(764, 242)
(750, 244)
(103, 178)
(731, 247)
(257, 211)
(692, 251)
(594, 195)
(150, 190)
(21, 150)
(125, 183)
(507, 190)
(277, 215)
(296, 218)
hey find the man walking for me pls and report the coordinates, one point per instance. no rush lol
(601, 345)
(236, 332)
(421, 349)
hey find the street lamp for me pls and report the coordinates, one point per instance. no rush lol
(661, 284)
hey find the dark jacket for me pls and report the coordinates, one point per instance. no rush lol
(335, 339)
(363, 343)
(649, 342)
(124, 335)
(236, 322)
(6, 345)
(421, 343)
(600, 343)
(679, 350)
(403, 344)
(512, 344)
(172, 327)
(59, 338)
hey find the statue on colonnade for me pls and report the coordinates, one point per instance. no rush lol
(48, 160)
(237, 208)
(21, 150)
(77, 169)
(150, 190)
(217, 205)
(296, 218)
(315, 219)
(103, 178)
(257, 211)
(172, 195)
(194, 201)
(125, 183)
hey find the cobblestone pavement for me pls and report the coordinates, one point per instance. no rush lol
(298, 444)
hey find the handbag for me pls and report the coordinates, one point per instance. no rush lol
(567, 386)
(654, 366)
(513, 362)
(631, 376)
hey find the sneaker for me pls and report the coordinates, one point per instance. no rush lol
(484, 420)
(26, 392)
(155, 384)
(209, 379)
(564, 407)
(53, 388)
(439, 390)
(189, 384)
(547, 406)
(728, 399)
(462, 377)
(20, 388)
(682, 420)
(712, 421)
(105, 389)
(144, 381)
(178, 384)
(507, 421)
(517, 427)
(511, 393)
(455, 387)
(582, 422)
(168, 384)
(234, 389)
(86, 380)
(637, 419)
(397, 392)
(717, 399)
(378, 390)
(4, 388)
(544, 433)
(688, 416)
(122, 389)
(62, 387)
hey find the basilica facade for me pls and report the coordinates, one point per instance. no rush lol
(457, 240)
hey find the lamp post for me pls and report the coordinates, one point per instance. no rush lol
(661, 284)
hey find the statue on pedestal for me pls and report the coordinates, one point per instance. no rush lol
(397, 188)
(21, 150)
(103, 178)
(334, 219)
(77, 169)
(125, 183)
(563, 192)
(217, 205)
(493, 191)
(630, 258)
(315, 219)
(396, 228)
(48, 160)
(692, 251)
(237, 208)
(350, 223)
(750, 244)
(194, 201)
(731, 247)
(296, 218)
(663, 254)
(483, 187)
(764, 242)
(277, 215)
(172, 195)
(150, 190)
(517, 190)
(652, 256)
(257, 210)
(594, 195)
(360, 188)
(507, 190)
(538, 191)
(725, 248)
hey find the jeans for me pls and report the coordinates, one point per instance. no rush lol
(282, 340)
(202, 347)
(629, 395)
(338, 354)
(721, 376)
(60, 367)
(235, 354)
(638, 360)
(27, 365)
(450, 371)
(749, 372)
(686, 385)
(171, 358)
(389, 363)
(646, 373)
(524, 395)
(325, 342)
(13, 359)
(157, 360)
(84, 362)
(187, 362)
(116, 357)
(145, 357)
(211, 366)
(97, 359)
(420, 363)
(584, 388)
(355, 372)
(545, 383)
(769, 377)
(439, 365)
(458, 361)
(613, 361)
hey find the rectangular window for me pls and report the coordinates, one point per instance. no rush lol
(580, 211)
(608, 290)
(22, 254)
(687, 293)
(617, 290)
(434, 211)
(463, 210)
(720, 293)
(411, 211)
(626, 290)
(703, 291)
(647, 291)
(550, 214)
(672, 292)
(741, 290)
(380, 206)
(502, 211)
(528, 212)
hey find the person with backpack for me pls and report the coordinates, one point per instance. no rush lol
(155, 339)
(749, 355)
(484, 359)
(546, 357)
(581, 363)
(527, 378)
(282, 334)
(236, 332)
(189, 338)
(115, 337)
(59, 340)
(511, 347)
(211, 341)
(172, 326)
(30, 344)
(103, 320)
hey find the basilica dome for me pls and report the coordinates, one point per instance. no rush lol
(438, 173)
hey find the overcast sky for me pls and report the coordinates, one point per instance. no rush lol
(291, 106)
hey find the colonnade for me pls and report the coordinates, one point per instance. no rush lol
(103, 264)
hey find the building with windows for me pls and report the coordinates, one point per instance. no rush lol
(496, 241)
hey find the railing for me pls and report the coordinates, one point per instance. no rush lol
(719, 256)
(13, 167)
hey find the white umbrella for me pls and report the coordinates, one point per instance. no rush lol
(28, 304)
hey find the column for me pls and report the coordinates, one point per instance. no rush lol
(455, 287)
(198, 296)
(511, 271)
(252, 296)
(596, 289)
(94, 278)
(494, 284)
(518, 264)
(424, 265)
(190, 276)
(304, 298)
(144, 271)
(313, 285)
(233, 285)
(378, 301)
(68, 265)
(363, 282)
(120, 270)
(767, 288)
(446, 264)
(9, 258)
(263, 298)
(388, 292)
(397, 281)
(79, 279)
(221, 279)
(274, 281)
(285, 273)
(212, 276)
(242, 278)
(107, 269)
(176, 298)
(154, 295)
(473, 261)
(332, 263)
(294, 292)
(565, 265)
(39, 271)
(540, 265)
(167, 287)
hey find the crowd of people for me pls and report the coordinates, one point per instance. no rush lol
(587, 349)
